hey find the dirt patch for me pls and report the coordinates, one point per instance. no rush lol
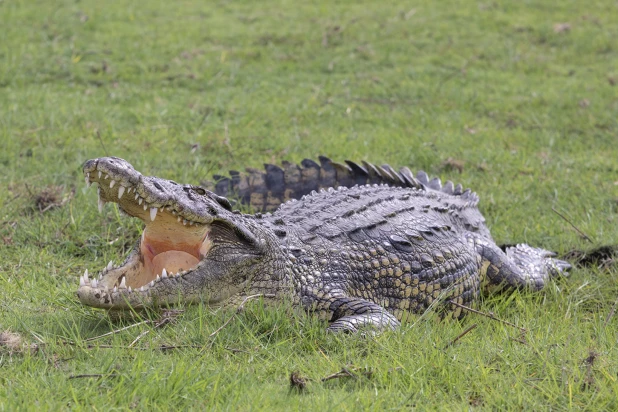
(50, 197)
(452, 164)
(12, 343)
(297, 382)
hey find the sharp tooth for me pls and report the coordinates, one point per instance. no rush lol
(123, 283)
(184, 222)
(164, 274)
(101, 201)
(87, 177)
(99, 174)
(94, 283)
(139, 202)
(136, 196)
(120, 192)
(145, 207)
(151, 283)
(110, 265)
(115, 288)
(82, 282)
(153, 213)
(112, 183)
(86, 275)
(141, 289)
(106, 176)
(130, 290)
(174, 212)
(158, 278)
(191, 222)
(179, 218)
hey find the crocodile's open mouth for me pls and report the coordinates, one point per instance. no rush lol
(174, 241)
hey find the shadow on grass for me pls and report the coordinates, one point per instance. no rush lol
(602, 257)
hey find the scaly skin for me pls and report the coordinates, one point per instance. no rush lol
(365, 256)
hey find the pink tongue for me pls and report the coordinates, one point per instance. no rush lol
(173, 261)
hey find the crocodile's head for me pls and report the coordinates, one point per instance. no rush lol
(193, 246)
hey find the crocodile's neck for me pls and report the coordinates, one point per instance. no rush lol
(272, 273)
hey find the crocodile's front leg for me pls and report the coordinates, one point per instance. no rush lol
(522, 266)
(351, 314)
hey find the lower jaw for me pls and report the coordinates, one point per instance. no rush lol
(110, 299)
(144, 269)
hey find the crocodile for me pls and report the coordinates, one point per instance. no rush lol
(367, 249)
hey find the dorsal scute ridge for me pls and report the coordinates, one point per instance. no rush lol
(268, 189)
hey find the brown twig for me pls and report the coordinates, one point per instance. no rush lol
(56, 204)
(461, 335)
(141, 335)
(110, 347)
(234, 350)
(162, 347)
(166, 317)
(489, 315)
(101, 141)
(113, 332)
(343, 373)
(28, 189)
(582, 234)
(521, 339)
(94, 375)
(238, 310)
(610, 315)
(170, 347)
(347, 373)
(588, 381)
(11, 199)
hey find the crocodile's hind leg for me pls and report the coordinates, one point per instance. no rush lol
(352, 314)
(522, 266)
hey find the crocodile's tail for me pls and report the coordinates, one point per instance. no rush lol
(267, 190)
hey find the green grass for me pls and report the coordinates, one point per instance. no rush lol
(186, 89)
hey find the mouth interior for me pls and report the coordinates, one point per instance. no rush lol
(169, 244)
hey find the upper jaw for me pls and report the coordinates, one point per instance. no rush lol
(144, 196)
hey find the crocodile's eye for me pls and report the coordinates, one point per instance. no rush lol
(198, 190)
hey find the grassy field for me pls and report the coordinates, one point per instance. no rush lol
(518, 100)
